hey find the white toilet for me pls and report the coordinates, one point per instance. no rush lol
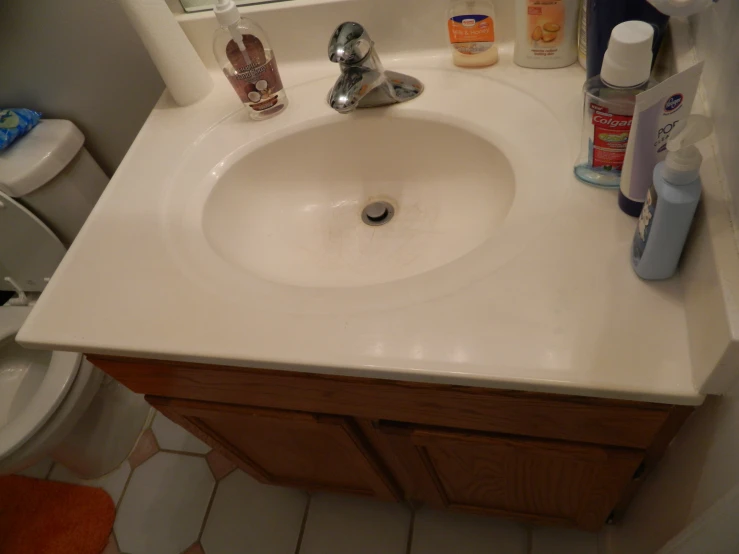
(52, 403)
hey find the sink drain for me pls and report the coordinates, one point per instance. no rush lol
(378, 213)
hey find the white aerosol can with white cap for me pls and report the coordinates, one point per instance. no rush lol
(609, 104)
(682, 8)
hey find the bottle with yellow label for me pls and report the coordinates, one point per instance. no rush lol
(472, 33)
(546, 33)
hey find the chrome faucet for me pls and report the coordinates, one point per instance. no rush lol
(363, 82)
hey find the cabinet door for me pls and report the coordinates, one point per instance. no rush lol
(293, 449)
(549, 482)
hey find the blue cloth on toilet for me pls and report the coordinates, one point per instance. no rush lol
(14, 123)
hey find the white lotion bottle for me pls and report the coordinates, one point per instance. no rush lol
(246, 57)
(671, 202)
(546, 33)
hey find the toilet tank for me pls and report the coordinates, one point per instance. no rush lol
(51, 174)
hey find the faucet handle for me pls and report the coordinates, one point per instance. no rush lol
(349, 44)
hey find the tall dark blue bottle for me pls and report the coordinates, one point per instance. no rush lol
(604, 15)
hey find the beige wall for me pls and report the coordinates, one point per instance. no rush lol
(716, 34)
(78, 60)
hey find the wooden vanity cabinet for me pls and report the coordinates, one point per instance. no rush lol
(546, 458)
(550, 482)
(291, 449)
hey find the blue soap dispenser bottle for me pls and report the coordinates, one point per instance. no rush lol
(665, 219)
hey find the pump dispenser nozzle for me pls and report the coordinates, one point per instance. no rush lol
(683, 160)
(227, 15)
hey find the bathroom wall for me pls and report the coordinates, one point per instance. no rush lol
(82, 61)
(716, 33)
(392, 24)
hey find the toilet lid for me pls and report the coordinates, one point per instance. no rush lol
(32, 383)
(29, 250)
(42, 154)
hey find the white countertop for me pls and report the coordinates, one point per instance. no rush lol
(566, 315)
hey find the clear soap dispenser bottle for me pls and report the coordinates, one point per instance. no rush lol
(471, 26)
(242, 50)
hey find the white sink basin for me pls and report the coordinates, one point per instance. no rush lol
(299, 221)
(275, 208)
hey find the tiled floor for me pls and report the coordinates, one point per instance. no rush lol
(176, 496)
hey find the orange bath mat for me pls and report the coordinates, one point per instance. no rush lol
(53, 518)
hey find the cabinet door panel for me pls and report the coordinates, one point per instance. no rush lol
(294, 449)
(547, 481)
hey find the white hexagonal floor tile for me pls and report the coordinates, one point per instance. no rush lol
(171, 436)
(346, 524)
(112, 483)
(546, 540)
(247, 516)
(436, 532)
(164, 504)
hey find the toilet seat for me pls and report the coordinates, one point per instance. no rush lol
(35, 403)
(30, 268)
(32, 385)
(53, 405)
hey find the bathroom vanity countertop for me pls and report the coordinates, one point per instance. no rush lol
(566, 315)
